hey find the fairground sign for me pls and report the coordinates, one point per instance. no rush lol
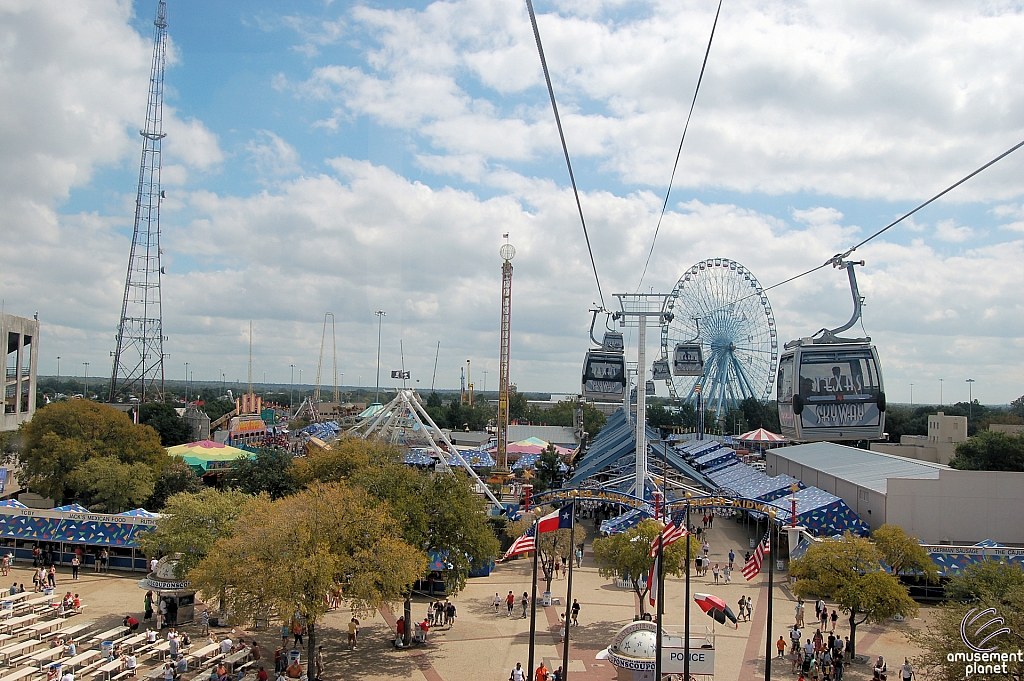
(623, 499)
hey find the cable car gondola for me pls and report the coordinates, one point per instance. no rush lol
(830, 388)
(604, 370)
(660, 370)
(688, 359)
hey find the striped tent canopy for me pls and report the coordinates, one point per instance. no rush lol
(206, 456)
(760, 435)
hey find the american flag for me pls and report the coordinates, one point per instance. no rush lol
(674, 531)
(753, 566)
(523, 544)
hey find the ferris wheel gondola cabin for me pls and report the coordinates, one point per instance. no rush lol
(830, 388)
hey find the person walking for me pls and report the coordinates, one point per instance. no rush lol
(714, 571)
(800, 613)
(741, 607)
(780, 646)
(517, 673)
(148, 606)
(75, 564)
(732, 557)
(510, 601)
(353, 633)
(526, 603)
(907, 671)
(318, 664)
(575, 611)
(835, 618)
(579, 557)
(727, 573)
(496, 603)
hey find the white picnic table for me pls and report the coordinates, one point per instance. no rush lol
(46, 655)
(45, 625)
(16, 648)
(161, 647)
(81, 658)
(14, 598)
(18, 621)
(235, 658)
(205, 650)
(133, 639)
(71, 631)
(110, 667)
(20, 673)
(109, 634)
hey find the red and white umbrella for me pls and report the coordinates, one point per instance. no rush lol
(715, 607)
(761, 435)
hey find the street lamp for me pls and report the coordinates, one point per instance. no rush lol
(380, 321)
(186, 382)
(970, 399)
(911, 394)
(940, 391)
(291, 391)
(58, 375)
(86, 394)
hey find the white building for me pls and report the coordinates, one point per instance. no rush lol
(939, 446)
(20, 336)
(931, 501)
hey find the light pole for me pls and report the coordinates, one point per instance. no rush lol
(380, 321)
(970, 399)
(86, 393)
(186, 382)
(940, 391)
(485, 380)
(291, 391)
(58, 375)
(911, 394)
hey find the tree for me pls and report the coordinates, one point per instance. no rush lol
(176, 477)
(165, 421)
(217, 408)
(990, 450)
(549, 469)
(342, 458)
(760, 414)
(627, 555)
(291, 554)
(270, 471)
(903, 553)
(64, 435)
(518, 406)
(552, 546)
(437, 512)
(109, 486)
(848, 571)
(989, 584)
(1017, 407)
(193, 525)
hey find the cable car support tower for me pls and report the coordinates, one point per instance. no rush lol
(139, 358)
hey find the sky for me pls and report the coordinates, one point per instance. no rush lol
(350, 157)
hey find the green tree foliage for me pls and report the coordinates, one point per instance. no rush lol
(759, 414)
(663, 415)
(627, 555)
(290, 555)
(64, 435)
(989, 584)
(1017, 407)
(269, 470)
(548, 470)
(563, 414)
(518, 407)
(342, 458)
(848, 571)
(176, 477)
(193, 524)
(553, 546)
(990, 451)
(903, 553)
(108, 486)
(165, 421)
(217, 408)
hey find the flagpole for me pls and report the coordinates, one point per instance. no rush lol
(660, 607)
(771, 583)
(568, 593)
(686, 632)
(533, 595)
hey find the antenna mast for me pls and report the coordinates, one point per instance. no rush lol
(139, 359)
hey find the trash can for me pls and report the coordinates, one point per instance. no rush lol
(545, 599)
(293, 656)
(108, 648)
(753, 542)
(48, 591)
(780, 565)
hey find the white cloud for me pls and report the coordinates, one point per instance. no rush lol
(272, 156)
(191, 142)
(946, 230)
(841, 98)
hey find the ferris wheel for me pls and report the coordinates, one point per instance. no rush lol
(719, 305)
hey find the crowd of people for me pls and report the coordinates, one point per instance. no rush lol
(822, 656)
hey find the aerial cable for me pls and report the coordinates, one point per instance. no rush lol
(668, 192)
(565, 149)
(837, 258)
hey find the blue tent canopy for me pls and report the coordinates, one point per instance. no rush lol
(716, 458)
(72, 508)
(418, 457)
(627, 520)
(474, 457)
(823, 514)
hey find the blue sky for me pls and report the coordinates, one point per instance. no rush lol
(348, 157)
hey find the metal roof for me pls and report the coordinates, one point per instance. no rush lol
(861, 467)
(559, 435)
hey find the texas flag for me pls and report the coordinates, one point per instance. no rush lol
(558, 520)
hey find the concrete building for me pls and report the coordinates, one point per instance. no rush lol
(938, 446)
(931, 501)
(21, 341)
(1008, 428)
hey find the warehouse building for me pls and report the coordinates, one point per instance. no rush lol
(933, 502)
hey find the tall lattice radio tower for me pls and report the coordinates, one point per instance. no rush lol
(139, 358)
(507, 253)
